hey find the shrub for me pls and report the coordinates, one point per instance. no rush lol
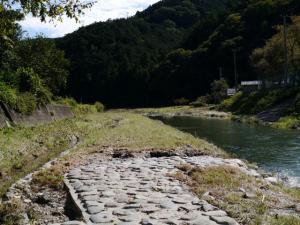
(8, 95)
(181, 101)
(200, 101)
(11, 212)
(297, 104)
(99, 106)
(287, 122)
(84, 109)
(227, 104)
(26, 103)
(24, 92)
(26, 80)
(52, 178)
(67, 101)
(219, 90)
(255, 102)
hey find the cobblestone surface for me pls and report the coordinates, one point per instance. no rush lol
(139, 191)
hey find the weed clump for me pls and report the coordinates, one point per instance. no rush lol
(52, 178)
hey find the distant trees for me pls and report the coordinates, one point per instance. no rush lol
(219, 90)
(45, 59)
(172, 50)
(269, 60)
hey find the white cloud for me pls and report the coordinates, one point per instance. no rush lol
(101, 11)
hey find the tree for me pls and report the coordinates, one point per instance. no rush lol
(219, 90)
(12, 11)
(46, 60)
(269, 60)
(44, 9)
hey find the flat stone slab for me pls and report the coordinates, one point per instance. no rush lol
(139, 191)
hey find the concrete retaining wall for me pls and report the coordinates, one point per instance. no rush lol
(59, 112)
(43, 114)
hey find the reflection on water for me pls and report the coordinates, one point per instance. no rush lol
(273, 149)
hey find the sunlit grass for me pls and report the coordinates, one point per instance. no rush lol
(223, 183)
(25, 149)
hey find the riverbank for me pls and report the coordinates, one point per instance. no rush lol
(278, 108)
(205, 112)
(123, 135)
(24, 149)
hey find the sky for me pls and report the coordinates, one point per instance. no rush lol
(101, 11)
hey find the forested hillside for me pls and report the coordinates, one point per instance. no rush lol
(171, 50)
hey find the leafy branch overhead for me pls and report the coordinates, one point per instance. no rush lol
(44, 9)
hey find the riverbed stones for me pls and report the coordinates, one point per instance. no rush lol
(224, 220)
(95, 209)
(140, 191)
(297, 207)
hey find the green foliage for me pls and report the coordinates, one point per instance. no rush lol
(219, 90)
(228, 104)
(200, 101)
(46, 9)
(67, 101)
(255, 102)
(287, 122)
(46, 60)
(99, 106)
(11, 213)
(52, 178)
(21, 102)
(26, 80)
(122, 61)
(26, 103)
(285, 220)
(82, 109)
(171, 50)
(8, 95)
(24, 92)
(181, 101)
(269, 60)
(297, 104)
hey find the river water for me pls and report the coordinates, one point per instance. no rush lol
(272, 149)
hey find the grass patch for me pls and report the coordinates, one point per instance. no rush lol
(224, 185)
(285, 220)
(52, 178)
(11, 213)
(219, 178)
(162, 110)
(205, 111)
(287, 122)
(24, 149)
(255, 102)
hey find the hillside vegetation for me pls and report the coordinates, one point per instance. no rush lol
(171, 50)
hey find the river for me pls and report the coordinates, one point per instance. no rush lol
(274, 150)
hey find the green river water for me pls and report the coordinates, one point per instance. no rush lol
(274, 150)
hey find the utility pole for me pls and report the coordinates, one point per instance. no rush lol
(285, 50)
(235, 69)
(220, 72)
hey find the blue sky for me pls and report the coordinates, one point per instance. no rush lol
(101, 11)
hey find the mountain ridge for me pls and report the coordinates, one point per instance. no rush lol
(172, 49)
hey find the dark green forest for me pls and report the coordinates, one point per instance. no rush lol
(171, 50)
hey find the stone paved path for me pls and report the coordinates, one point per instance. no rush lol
(139, 191)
